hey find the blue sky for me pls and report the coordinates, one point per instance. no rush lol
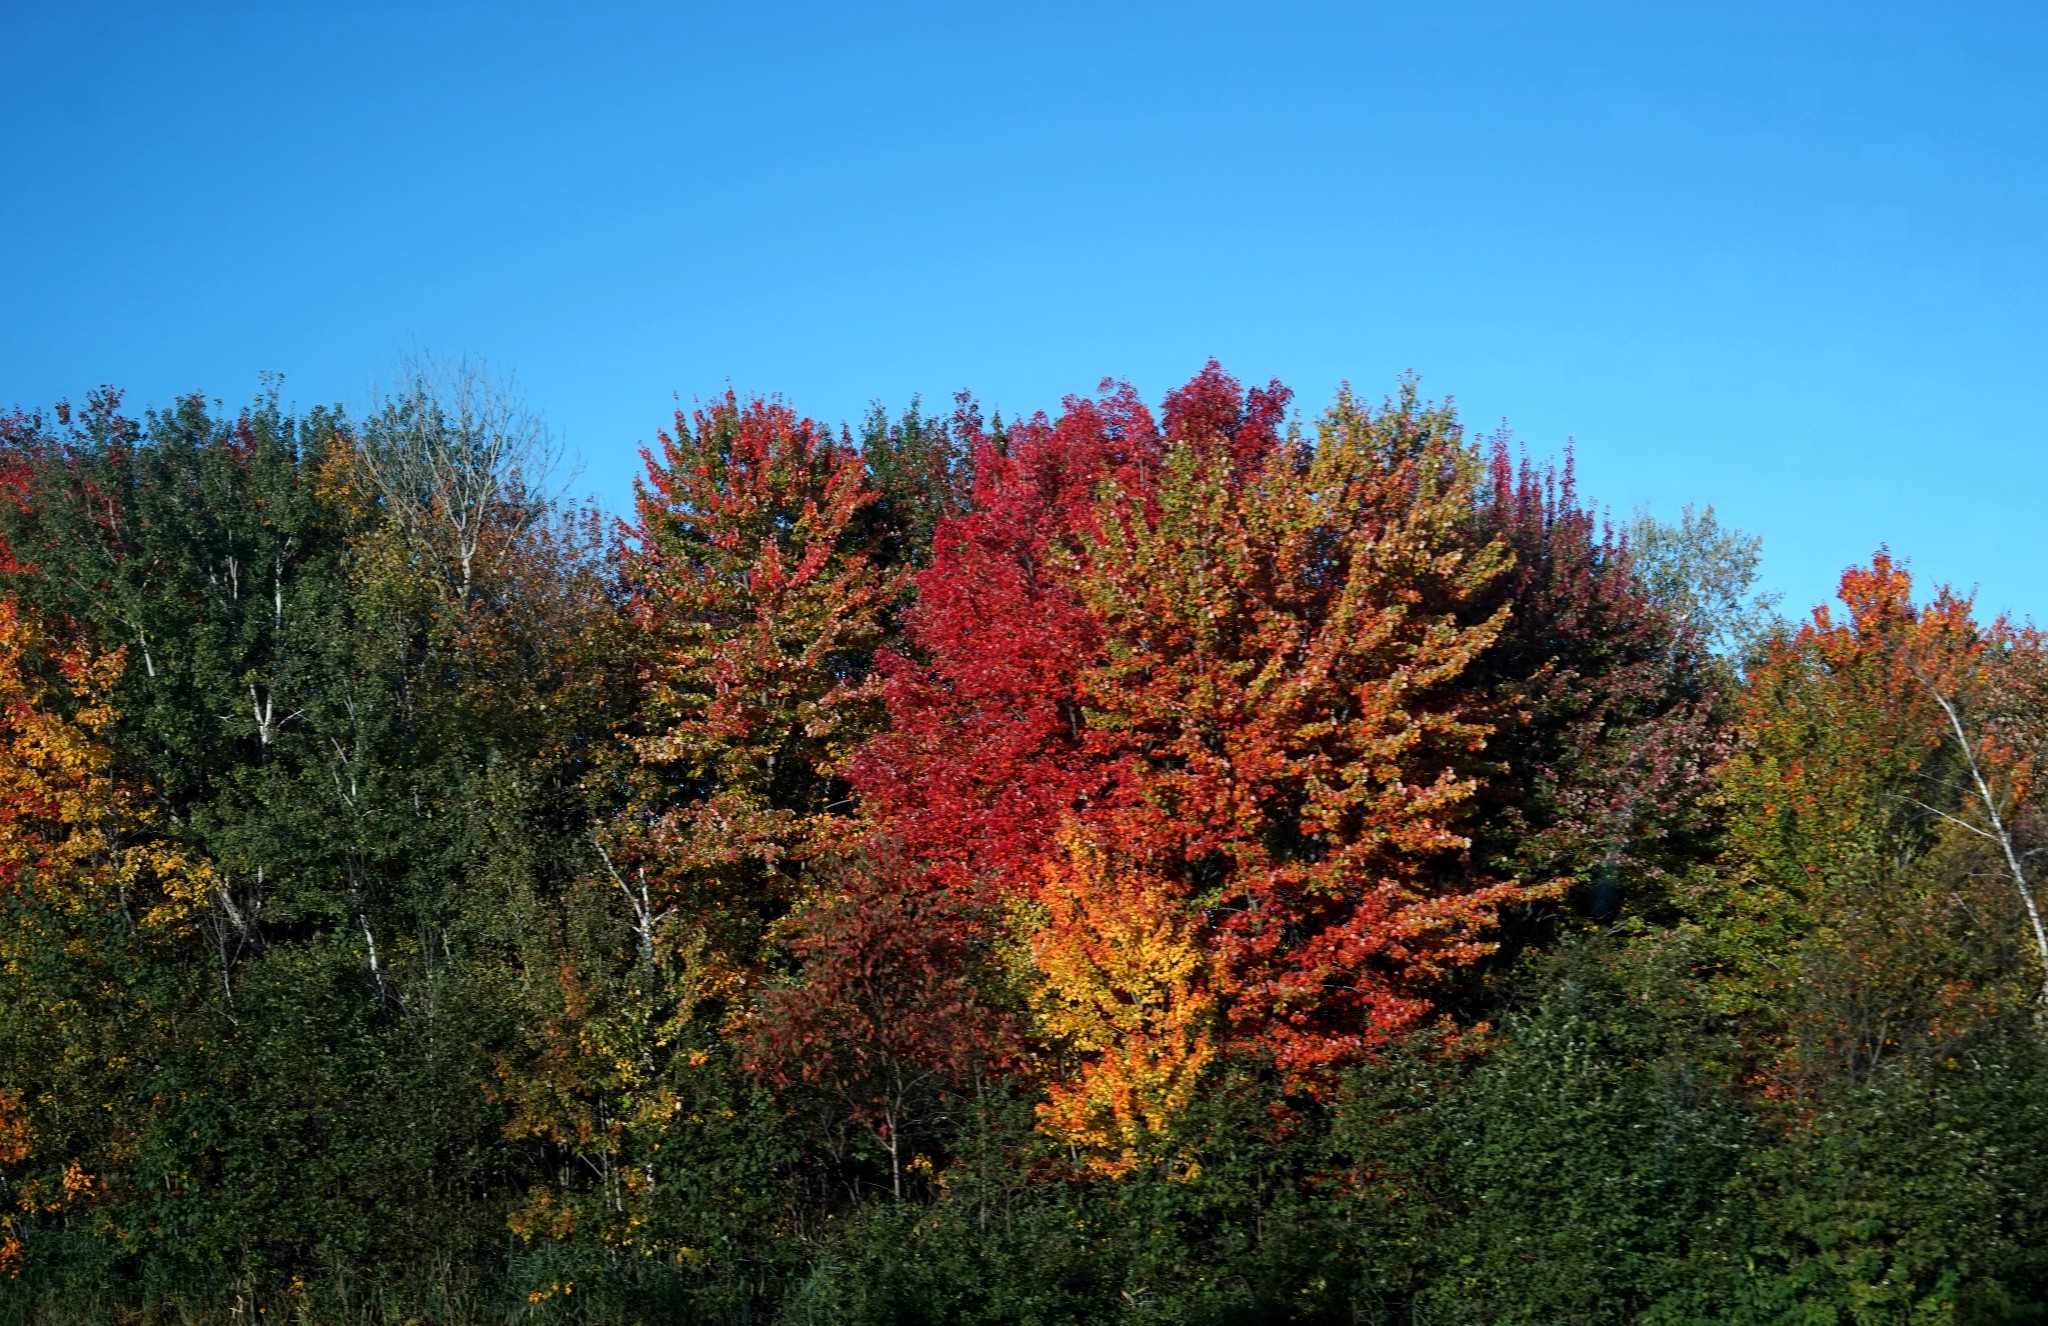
(1791, 260)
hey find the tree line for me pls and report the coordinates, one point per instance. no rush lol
(1191, 863)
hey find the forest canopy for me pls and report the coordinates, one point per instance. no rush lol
(1212, 861)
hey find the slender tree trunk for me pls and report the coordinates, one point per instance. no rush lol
(1999, 832)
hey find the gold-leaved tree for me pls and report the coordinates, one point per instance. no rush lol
(87, 888)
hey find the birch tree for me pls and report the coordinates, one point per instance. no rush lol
(454, 455)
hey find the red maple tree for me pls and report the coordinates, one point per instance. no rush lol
(1236, 655)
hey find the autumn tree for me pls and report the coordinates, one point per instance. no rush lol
(1237, 655)
(1613, 712)
(763, 568)
(759, 610)
(1120, 980)
(889, 1012)
(1285, 630)
(985, 750)
(1853, 920)
(92, 896)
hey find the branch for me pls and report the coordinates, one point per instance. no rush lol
(1998, 833)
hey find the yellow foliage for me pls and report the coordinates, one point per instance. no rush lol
(17, 1134)
(79, 847)
(69, 831)
(1123, 982)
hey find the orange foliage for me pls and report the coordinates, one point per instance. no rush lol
(17, 1144)
(754, 605)
(1841, 723)
(1852, 775)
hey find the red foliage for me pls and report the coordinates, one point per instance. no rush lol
(1212, 407)
(1342, 697)
(1610, 718)
(757, 609)
(1056, 682)
(888, 1015)
(986, 749)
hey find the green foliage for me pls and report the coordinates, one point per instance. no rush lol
(1704, 573)
(380, 778)
(1917, 1196)
(1589, 1168)
(1013, 1232)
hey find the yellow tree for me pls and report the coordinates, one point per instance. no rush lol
(1122, 982)
(88, 892)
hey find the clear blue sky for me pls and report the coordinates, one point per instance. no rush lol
(1789, 260)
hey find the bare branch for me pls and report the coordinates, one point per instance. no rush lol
(1988, 799)
(455, 456)
(1962, 824)
(645, 918)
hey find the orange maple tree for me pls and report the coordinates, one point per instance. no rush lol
(758, 610)
(1876, 741)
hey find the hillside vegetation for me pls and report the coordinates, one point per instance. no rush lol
(1196, 864)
